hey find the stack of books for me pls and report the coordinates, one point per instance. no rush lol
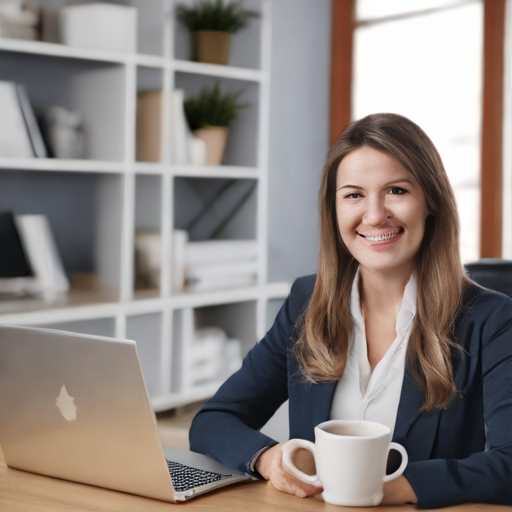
(209, 355)
(197, 266)
(214, 264)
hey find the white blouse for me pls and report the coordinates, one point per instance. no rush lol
(374, 396)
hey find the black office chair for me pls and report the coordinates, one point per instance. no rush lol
(492, 273)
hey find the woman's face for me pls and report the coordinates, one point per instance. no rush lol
(381, 211)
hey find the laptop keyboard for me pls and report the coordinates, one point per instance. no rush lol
(185, 478)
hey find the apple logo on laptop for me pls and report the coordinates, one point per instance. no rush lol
(66, 405)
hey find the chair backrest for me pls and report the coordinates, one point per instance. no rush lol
(492, 273)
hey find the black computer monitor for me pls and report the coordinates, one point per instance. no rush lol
(13, 261)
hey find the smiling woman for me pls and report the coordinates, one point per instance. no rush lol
(390, 330)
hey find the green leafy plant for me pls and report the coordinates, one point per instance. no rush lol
(212, 108)
(216, 16)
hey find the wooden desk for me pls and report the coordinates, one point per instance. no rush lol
(27, 492)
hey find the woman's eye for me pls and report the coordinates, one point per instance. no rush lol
(355, 195)
(398, 191)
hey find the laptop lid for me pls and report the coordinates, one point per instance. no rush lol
(70, 400)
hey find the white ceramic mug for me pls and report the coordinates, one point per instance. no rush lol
(350, 458)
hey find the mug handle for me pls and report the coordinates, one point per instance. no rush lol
(405, 459)
(289, 448)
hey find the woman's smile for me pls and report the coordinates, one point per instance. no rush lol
(381, 237)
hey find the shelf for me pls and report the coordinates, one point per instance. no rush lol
(151, 168)
(70, 52)
(56, 164)
(61, 50)
(219, 171)
(199, 68)
(229, 295)
(278, 290)
(203, 171)
(76, 305)
(81, 305)
(152, 61)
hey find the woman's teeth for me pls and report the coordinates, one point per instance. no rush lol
(380, 238)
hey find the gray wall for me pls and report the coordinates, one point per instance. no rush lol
(299, 132)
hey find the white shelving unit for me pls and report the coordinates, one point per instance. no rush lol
(95, 205)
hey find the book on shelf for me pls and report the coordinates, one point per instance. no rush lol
(16, 277)
(29, 260)
(208, 354)
(39, 244)
(219, 251)
(149, 129)
(34, 132)
(153, 110)
(20, 135)
(14, 137)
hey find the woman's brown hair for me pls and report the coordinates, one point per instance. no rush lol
(326, 325)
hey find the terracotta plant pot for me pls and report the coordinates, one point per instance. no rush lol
(215, 138)
(212, 47)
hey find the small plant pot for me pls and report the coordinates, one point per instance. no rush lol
(215, 138)
(212, 47)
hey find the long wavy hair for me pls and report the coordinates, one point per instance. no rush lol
(326, 325)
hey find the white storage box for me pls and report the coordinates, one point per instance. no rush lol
(99, 26)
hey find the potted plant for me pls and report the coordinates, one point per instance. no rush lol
(212, 23)
(209, 115)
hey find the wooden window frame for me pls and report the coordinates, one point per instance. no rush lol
(491, 177)
(341, 66)
(491, 182)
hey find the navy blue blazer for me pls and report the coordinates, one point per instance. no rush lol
(459, 455)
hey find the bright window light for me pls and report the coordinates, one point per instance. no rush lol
(367, 10)
(429, 68)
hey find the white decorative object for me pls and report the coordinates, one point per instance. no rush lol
(65, 133)
(179, 243)
(17, 21)
(99, 26)
(148, 247)
(39, 244)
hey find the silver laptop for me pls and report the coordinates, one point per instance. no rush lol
(76, 407)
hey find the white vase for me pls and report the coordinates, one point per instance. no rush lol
(215, 138)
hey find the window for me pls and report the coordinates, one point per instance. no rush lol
(426, 62)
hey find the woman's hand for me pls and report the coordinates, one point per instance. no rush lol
(269, 467)
(398, 492)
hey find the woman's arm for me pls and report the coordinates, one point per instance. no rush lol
(227, 427)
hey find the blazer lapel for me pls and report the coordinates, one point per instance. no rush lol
(310, 405)
(321, 397)
(415, 431)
